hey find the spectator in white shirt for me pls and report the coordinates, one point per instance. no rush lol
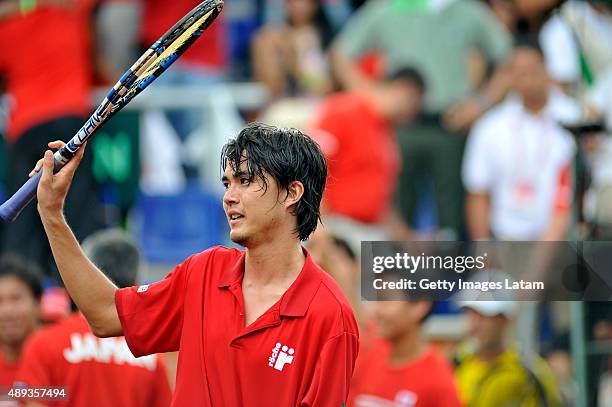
(517, 163)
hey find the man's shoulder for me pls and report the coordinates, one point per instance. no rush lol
(437, 362)
(331, 304)
(218, 252)
(342, 104)
(213, 256)
(211, 261)
(496, 118)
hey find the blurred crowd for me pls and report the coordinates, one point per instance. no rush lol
(440, 120)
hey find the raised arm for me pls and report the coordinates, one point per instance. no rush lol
(90, 289)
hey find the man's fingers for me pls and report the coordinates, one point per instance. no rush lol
(37, 168)
(56, 144)
(79, 154)
(73, 164)
(47, 176)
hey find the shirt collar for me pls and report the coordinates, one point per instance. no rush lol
(296, 300)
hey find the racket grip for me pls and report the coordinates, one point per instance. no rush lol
(13, 207)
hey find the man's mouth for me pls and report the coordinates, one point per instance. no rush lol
(234, 217)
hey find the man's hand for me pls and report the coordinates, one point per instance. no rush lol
(53, 188)
(462, 115)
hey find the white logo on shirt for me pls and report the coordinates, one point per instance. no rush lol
(404, 398)
(86, 347)
(281, 355)
(142, 288)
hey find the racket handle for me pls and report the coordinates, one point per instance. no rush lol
(13, 207)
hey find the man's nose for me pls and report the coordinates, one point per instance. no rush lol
(231, 196)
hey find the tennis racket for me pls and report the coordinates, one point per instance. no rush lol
(148, 68)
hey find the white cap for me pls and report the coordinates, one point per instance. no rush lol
(491, 308)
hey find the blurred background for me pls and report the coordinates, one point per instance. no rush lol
(440, 120)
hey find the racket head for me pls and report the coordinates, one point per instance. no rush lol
(166, 50)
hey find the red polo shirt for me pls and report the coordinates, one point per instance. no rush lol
(7, 371)
(427, 381)
(300, 352)
(362, 154)
(96, 371)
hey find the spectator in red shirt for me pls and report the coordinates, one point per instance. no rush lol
(355, 131)
(96, 371)
(260, 327)
(46, 65)
(20, 294)
(397, 367)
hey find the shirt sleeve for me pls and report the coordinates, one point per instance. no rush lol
(332, 377)
(35, 366)
(152, 315)
(477, 170)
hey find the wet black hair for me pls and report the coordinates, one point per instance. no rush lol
(28, 272)
(287, 155)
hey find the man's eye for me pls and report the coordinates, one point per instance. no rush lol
(226, 185)
(245, 181)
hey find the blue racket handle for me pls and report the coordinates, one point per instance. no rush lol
(13, 207)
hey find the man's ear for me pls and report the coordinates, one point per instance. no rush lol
(295, 191)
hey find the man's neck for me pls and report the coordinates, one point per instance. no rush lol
(407, 348)
(535, 105)
(489, 355)
(12, 351)
(274, 263)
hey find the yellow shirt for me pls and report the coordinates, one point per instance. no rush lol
(505, 382)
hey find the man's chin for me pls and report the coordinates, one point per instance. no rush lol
(239, 238)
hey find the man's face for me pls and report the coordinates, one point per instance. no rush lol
(301, 11)
(254, 213)
(529, 76)
(19, 310)
(405, 101)
(488, 332)
(396, 317)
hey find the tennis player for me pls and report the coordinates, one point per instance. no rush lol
(263, 326)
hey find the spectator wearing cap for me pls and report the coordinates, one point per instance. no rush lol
(96, 371)
(355, 132)
(20, 294)
(517, 164)
(492, 372)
